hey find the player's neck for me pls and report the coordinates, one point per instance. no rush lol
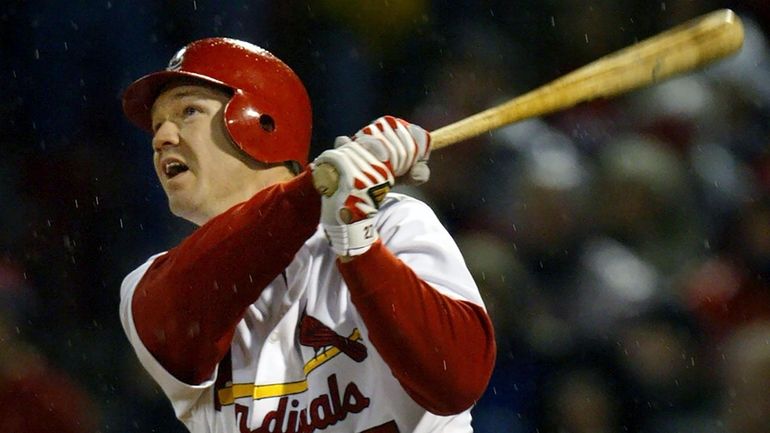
(262, 178)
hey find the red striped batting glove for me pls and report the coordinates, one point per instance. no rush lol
(347, 216)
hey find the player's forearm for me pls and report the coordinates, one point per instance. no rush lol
(188, 303)
(440, 349)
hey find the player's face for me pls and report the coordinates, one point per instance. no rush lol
(201, 171)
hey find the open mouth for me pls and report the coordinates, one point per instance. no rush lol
(174, 168)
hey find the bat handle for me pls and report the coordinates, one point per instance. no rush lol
(325, 179)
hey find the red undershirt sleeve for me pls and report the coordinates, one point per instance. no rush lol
(187, 305)
(440, 349)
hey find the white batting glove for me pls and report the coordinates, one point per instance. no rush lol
(403, 146)
(347, 216)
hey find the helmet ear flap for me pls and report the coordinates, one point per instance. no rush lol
(260, 133)
(251, 130)
(235, 121)
(256, 132)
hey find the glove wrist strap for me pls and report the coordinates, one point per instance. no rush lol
(352, 239)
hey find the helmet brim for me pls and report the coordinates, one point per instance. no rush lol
(139, 97)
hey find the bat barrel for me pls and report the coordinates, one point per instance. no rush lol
(684, 48)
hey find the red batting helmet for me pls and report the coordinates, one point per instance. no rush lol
(268, 116)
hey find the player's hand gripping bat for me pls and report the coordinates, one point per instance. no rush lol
(684, 48)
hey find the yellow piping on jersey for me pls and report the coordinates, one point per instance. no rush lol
(227, 396)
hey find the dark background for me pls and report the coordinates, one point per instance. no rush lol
(622, 247)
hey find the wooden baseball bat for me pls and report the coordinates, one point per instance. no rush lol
(684, 48)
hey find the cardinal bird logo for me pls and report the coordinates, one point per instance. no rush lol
(313, 333)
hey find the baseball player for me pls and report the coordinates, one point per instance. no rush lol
(289, 311)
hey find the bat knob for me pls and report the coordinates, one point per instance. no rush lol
(325, 179)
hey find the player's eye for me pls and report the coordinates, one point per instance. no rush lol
(190, 110)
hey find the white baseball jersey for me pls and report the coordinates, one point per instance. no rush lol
(300, 359)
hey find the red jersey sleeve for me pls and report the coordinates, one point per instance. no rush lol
(441, 350)
(189, 301)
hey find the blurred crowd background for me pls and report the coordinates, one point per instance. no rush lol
(622, 246)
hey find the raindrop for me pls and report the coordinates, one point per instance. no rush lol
(121, 222)
(66, 46)
(663, 6)
(37, 54)
(76, 204)
(586, 35)
(553, 21)
(73, 25)
(109, 5)
(195, 5)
